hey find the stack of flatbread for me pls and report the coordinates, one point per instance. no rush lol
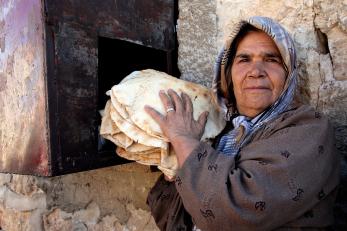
(137, 136)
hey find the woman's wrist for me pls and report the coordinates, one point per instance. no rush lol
(183, 146)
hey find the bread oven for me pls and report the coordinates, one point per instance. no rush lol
(57, 60)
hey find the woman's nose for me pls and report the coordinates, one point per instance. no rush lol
(256, 70)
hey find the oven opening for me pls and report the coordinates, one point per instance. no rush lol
(117, 59)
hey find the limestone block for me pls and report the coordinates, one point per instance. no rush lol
(57, 220)
(331, 19)
(79, 227)
(5, 178)
(313, 74)
(140, 220)
(333, 101)
(35, 219)
(120, 185)
(337, 40)
(196, 29)
(329, 13)
(288, 13)
(21, 202)
(2, 193)
(89, 219)
(88, 216)
(23, 184)
(12, 220)
(109, 222)
(326, 68)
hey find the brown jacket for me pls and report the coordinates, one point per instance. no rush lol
(285, 179)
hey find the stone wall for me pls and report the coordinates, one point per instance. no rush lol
(105, 199)
(114, 198)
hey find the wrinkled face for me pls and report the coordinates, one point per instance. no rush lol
(258, 74)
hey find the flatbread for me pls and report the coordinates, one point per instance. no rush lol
(107, 127)
(165, 163)
(123, 112)
(122, 140)
(136, 134)
(150, 157)
(110, 131)
(137, 147)
(133, 132)
(142, 88)
(119, 107)
(168, 161)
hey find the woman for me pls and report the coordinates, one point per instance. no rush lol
(273, 167)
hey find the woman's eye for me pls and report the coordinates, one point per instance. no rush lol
(272, 60)
(243, 60)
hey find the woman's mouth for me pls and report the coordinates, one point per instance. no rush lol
(257, 88)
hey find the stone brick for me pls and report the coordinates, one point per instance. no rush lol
(140, 220)
(5, 178)
(21, 202)
(88, 216)
(196, 29)
(57, 220)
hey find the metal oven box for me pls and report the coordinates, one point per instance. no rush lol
(51, 77)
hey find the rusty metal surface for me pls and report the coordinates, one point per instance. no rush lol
(149, 23)
(72, 29)
(49, 77)
(23, 124)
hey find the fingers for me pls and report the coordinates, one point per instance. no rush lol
(165, 99)
(179, 103)
(159, 118)
(188, 105)
(203, 118)
(176, 99)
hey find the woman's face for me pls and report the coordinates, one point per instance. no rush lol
(257, 72)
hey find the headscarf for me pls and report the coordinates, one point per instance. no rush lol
(229, 144)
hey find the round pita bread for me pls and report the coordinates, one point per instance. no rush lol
(150, 157)
(133, 131)
(142, 88)
(110, 131)
(136, 134)
(138, 148)
(119, 107)
(107, 127)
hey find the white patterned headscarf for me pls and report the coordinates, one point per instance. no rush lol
(228, 143)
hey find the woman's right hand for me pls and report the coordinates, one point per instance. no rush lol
(179, 125)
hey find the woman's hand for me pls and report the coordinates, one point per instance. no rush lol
(179, 125)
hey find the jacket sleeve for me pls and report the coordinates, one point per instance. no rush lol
(167, 208)
(276, 179)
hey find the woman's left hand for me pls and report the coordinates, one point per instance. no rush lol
(179, 125)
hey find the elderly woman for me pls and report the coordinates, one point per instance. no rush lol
(273, 167)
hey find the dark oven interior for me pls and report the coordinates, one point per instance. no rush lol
(117, 59)
(91, 46)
